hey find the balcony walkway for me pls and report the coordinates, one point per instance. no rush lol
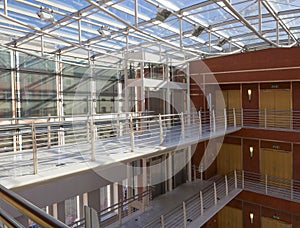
(126, 139)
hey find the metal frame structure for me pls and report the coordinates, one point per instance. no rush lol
(72, 30)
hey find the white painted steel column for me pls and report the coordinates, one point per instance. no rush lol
(200, 123)
(184, 214)
(234, 117)
(131, 134)
(215, 193)
(189, 163)
(225, 119)
(170, 171)
(226, 185)
(161, 131)
(201, 203)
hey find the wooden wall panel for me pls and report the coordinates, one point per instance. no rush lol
(229, 158)
(276, 163)
(230, 217)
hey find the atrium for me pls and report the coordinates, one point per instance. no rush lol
(147, 113)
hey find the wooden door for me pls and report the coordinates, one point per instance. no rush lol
(277, 103)
(230, 217)
(276, 163)
(269, 222)
(229, 158)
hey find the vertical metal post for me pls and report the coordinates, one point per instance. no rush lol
(136, 11)
(277, 31)
(200, 123)
(214, 120)
(292, 189)
(92, 134)
(49, 133)
(195, 175)
(243, 179)
(184, 214)
(34, 150)
(162, 221)
(201, 203)
(42, 44)
(235, 179)
(265, 118)
(225, 119)
(259, 17)
(189, 163)
(180, 30)
(118, 125)
(234, 117)
(182, 126)
(266, 184)
(226, 185)
(79, 30)
(242, 117)
(161, 130)
(201, 172)
(215, 193)
(131, 133)
(120, 212)
(5, 7)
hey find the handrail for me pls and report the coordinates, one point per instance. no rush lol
(132, 130)
(28, 209)
(116, 206)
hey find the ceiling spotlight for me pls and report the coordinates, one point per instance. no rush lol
(197, 31)
(222, 42)
(104, 31)
(162, 14)
(45, 14)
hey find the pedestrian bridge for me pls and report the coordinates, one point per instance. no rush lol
(35, 150)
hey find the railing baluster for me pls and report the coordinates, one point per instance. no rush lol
(265, 118)
(201, 203)
(235, 179)
(200, 123)
(92, 140)
(184, 214)
(225, 119)
(48, 133)
(34, 150)
(182, 126)
(161, 131)
(226, 185)
(214, 120)
(234, 117)
(162, 221)
(243, 182)
(215, 193)
(131, 134)
(266, 184)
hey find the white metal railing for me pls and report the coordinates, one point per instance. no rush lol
(198, 204)
(34, 144)
(221, 186)
(278, 119)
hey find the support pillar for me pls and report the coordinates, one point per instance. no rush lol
(61, 211)
(170, 172)
(94, 199)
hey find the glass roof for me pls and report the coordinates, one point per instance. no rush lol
(109, 29)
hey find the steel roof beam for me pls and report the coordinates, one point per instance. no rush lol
(277, 18)
(235, 14)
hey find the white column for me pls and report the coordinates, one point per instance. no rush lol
(170, 171)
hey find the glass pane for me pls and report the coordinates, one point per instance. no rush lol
(5, 94)
(38, 94)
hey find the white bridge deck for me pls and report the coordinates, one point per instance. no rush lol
(52, 149)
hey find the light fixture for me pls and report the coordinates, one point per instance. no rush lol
(222, 42)
(197, 31)
(251, 216)
(45, 14)
(249, 94)
(104, 31)
(251, 151)
(162, 14)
